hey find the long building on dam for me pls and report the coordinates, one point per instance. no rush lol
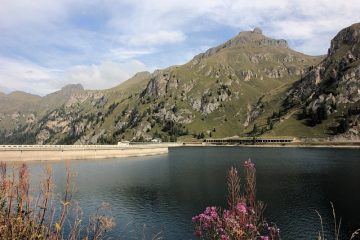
(250, 140)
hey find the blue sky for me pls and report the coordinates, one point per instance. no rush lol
(45, 44)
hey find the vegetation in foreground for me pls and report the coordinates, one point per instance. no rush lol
(244, 219)
(38, 215)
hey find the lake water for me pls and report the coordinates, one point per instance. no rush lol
(164, 192)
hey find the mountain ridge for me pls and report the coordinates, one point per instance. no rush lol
(244, 38)
(244, 87)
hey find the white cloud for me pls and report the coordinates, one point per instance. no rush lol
(311, 24)
(153, 38)
(104, 75)
(25, 76)
(128, 53)
(100, 43)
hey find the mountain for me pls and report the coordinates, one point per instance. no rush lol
(251, 85)
(325, 101)
(59, 98)
(18, 108)
(17, 101)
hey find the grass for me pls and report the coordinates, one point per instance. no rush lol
(337, 225)
(355, 234)
(38, 215)
(243, 219)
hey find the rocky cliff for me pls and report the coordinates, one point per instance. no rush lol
(331, 89)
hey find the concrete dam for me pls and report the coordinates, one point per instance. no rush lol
(77, 152)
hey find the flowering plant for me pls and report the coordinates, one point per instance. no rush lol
(244, 217)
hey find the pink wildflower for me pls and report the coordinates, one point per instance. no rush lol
(243, 219)
(251, 226)
(248, 164)
(224, 237)
(241, 207)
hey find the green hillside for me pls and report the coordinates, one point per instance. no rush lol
(250, 85)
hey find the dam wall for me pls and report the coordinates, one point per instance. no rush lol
(76, 152)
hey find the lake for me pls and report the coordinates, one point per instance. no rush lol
(162, 193)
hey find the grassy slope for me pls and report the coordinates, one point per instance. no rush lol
(249, 92)
(209, 74)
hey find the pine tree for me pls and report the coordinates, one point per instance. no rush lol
(343, 125)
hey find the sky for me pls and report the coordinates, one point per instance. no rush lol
(47, 44)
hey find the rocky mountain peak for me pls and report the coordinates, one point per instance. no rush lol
(142, 74)
(257, 30)
(256, 38)
(246, 39)
(73, 87)
(349, 36)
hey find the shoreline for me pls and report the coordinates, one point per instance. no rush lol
(297, 145)
(25, 153)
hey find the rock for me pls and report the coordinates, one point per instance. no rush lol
(195, 103)
(120, 125)
(276, 72)
(348, 36)
(99, 102)
(253, 112)
(249, 38)
(257, 30)
(31, 118)
(253, 59)
(248, 74)
(209, 107)
(42, 136)
(73, 88)
(15, 116)
(158, 84)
